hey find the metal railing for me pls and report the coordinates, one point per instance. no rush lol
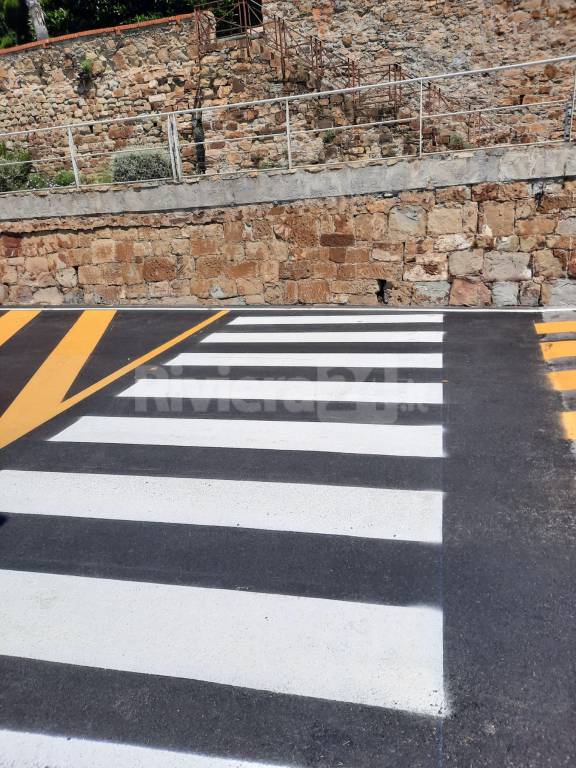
(348, 125)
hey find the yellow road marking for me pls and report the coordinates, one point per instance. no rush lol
(12, 322)
(20, 422)
(563, 326)
(563, 381)
(40, 398)
(552, 350)
(569, 424)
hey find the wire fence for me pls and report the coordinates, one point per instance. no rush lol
(517, 104)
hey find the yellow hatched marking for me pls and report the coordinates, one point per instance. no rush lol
(12, 322)
(43, 397)
(569, 424)
(552, 350)
(563, 381)
(39, 400)
(563, 326)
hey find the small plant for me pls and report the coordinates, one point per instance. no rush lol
(38, 181)
(15, 169)
(328, 136)
(64, 178)
(85, 74)
(141, 166)
(455, 141)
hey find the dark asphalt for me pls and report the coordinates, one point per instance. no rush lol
(504, 576)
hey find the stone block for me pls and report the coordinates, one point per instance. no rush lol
(559, 293)
(313, 292)
(159, 268)
(497, 218)
(426, 271)
(444, 221)
(466, 263)
(51, 296)
(67, 278)
(90, 275)
(567, 226)
(337, 240)
(432, 293)
(371, 227)
(545, 264)
(467, 294)
(537, 225)
(458, 242)
(503, 267)
(388, 252)
(505, 294)
(530, 293)
(406, 222)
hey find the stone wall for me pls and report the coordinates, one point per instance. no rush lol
(496, 244)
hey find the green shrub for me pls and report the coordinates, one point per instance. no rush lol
(38, 181)
(141, 166)
(455, 141)
(328, 136)
(86, 68)
(14, 177)
(64, 178)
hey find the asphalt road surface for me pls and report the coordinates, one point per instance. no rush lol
(306, 538)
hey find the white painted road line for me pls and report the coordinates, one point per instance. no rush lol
(309, 359)
(326, 337)
(373, 513)
(379, 655)
(377, 319)
(256, 389)
(378, 439)
(35, 750)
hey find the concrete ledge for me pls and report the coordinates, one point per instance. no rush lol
(392, 176)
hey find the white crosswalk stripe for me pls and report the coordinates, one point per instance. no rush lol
(377, 655)
(329, 509)
(36, 750)
(275, 637)
(375, 361)
(250, 389)
(374, 439)
(326, 337)
(339, 319)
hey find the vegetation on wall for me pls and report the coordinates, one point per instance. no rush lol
(65, 17)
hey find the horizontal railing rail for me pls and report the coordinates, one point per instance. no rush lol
(324, 127)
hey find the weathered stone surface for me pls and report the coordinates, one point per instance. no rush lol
(458, 242)
(406, 222)
(467, 294)
(530, 293)
(505, 294)
(506, 266)
(444, 221)
(466, 263)
(559, 293)
(567, 226)
(545, 264)
(432, 293)
(498, 218)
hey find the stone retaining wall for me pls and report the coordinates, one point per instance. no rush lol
(489, 244)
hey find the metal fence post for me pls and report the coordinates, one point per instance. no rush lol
(288, 134)
(421, 118)
(72, 148)
(572, 115)
(174, 148)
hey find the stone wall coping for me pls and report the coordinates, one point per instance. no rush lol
(498, 165)
(117, 30)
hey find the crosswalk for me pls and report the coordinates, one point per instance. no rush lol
(257, 554)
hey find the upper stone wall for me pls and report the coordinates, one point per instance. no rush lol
(436, 36)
